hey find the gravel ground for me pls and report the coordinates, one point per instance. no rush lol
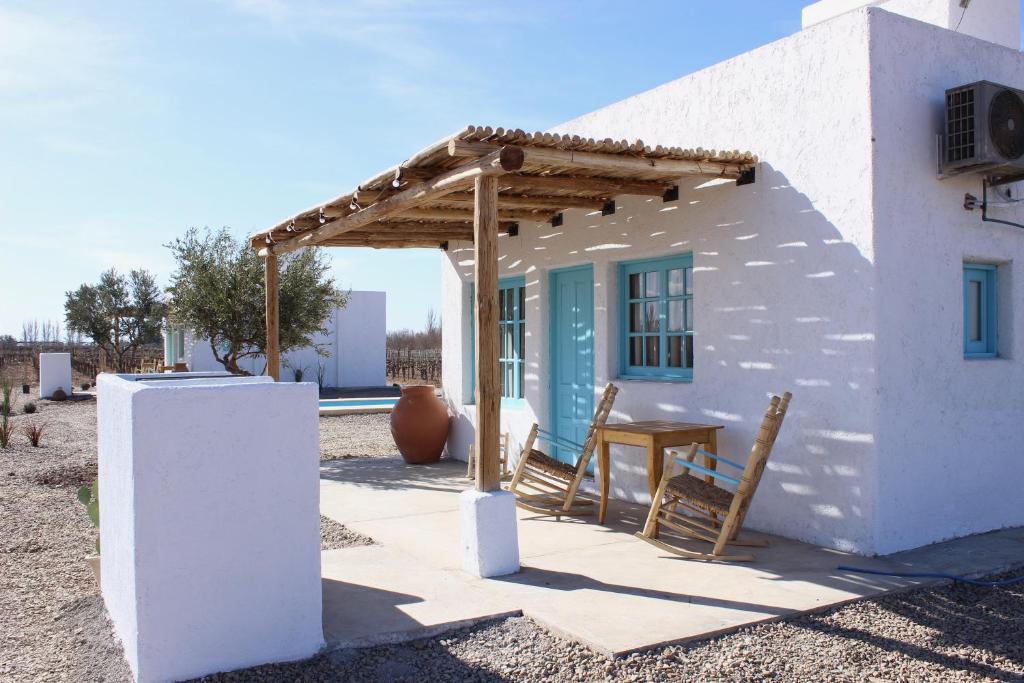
(54, 626)
(334, 535)
(356, 436)
(947, 633)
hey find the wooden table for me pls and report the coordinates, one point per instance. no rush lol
(655, 436)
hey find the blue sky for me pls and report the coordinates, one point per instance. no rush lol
(124, 123)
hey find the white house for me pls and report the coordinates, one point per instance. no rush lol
(351, 352)
(848, 272)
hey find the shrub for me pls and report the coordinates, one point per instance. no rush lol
(299, 373)
(85, 386)
(34, 432)
(29, 408)
(6, 389)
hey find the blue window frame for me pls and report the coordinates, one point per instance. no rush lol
(657, 317)
(979, 310)
(512, 328)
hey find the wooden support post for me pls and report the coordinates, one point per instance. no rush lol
(273, 332)
(488, 383)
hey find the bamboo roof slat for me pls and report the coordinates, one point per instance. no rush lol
(433, 187)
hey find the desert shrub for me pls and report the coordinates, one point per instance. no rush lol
(29, 408)
(6, 389)
(299, 373)
(85, 385)
(34, 432)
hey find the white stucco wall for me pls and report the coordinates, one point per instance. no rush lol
(799, 285)
(362, 341)
(950, 457)
(209, 525)
(780, 268)
(54, 373)
(354, 339)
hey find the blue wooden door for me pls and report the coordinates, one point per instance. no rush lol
(572, 356)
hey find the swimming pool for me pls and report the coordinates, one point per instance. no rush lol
(336, 406)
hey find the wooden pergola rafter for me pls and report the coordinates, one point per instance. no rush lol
(468, 187)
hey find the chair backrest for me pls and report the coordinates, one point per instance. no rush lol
(762, 448)
(601, 412)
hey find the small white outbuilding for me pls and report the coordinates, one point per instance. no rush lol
(351, 352)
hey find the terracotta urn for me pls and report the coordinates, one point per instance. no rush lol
(419, 425)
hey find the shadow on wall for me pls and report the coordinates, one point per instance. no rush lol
(782, 302)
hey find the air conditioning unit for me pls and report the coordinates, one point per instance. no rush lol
(984, 130)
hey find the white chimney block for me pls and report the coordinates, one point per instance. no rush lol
(997, 21)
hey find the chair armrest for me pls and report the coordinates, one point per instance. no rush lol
(719, 458)
(692, 466)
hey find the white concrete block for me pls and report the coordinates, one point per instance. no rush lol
(54, 373)
(209, 510)
(490, 538)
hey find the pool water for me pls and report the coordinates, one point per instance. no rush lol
(357, 402)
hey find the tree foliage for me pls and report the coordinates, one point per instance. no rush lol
(119, 314)
(218, 292)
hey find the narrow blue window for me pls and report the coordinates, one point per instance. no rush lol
(979, 310)
(512, 330)
(657, 317)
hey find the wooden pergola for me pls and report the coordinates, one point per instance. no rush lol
(471, 186)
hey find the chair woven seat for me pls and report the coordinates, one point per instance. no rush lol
(700, 493)
(556, 468)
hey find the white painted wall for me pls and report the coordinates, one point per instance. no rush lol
(54, 373)
(209, 524)
(789, 295)
(997, 21)
(354, 339)
(950, 456)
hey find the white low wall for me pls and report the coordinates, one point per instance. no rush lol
(209, 521)
(54, 373)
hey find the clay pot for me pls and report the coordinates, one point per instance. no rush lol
(181, 366)
(419, 425)
(59, 395)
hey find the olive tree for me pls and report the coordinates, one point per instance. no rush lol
(218, 293)
(119, 314)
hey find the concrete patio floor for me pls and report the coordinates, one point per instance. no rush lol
(598, 585)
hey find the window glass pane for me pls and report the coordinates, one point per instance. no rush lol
(636, 317)
(689, 280)
(652, 284)
(501, 372)
(521, 351)
(653, 321)
(522, 303)
(653, 357)
(675, 282)
(689, 315)
(507, 349)
(634, 286)
(688, 340)
(675, 352)
(521, 383)
(974, 312)
(675, 315)
(636, 351)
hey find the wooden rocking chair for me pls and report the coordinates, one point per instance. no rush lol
(717, 514)
(547, 486)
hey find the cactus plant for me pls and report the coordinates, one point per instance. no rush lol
(89, 496)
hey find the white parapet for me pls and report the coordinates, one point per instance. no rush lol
(209, 521)
(54, 373)
(490, 539)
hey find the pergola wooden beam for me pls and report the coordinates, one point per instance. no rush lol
(488, 381)
(603, 187)
(608, 163)
(270, 278)
(499, 161)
